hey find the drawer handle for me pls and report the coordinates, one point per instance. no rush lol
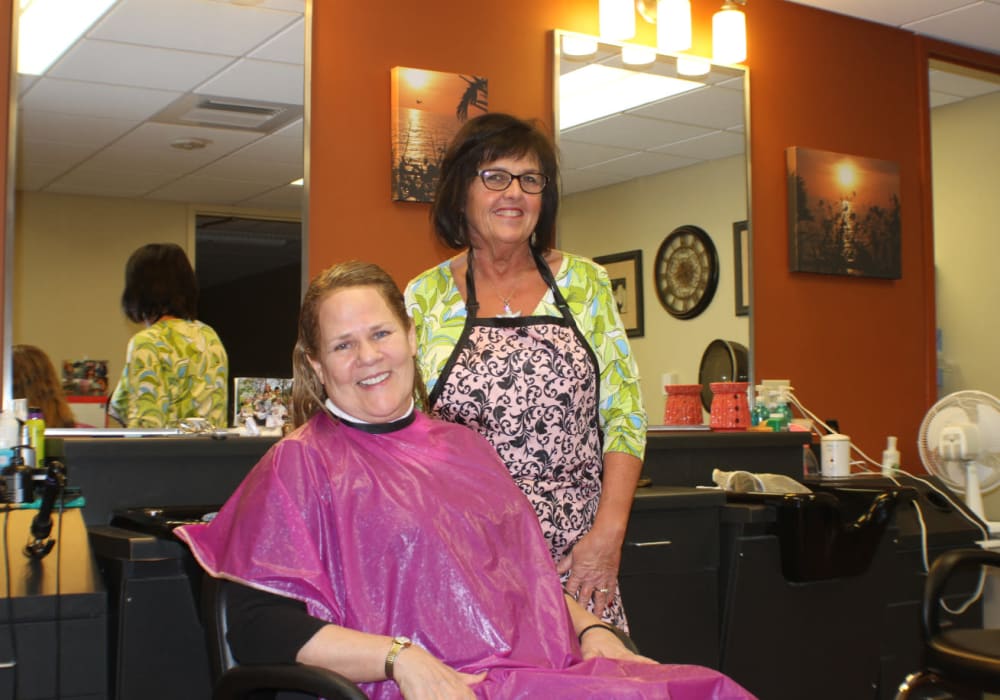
(658, 543)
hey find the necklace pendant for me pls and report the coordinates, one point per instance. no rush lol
(508, 313)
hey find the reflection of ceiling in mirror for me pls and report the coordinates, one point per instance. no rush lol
(706, 123)
(150, 73)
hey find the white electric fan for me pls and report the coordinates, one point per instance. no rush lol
(959, 442)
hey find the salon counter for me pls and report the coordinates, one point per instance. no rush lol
(687, 457)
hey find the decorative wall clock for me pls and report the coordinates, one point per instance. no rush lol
(686, 272)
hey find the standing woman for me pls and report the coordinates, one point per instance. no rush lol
(176, 368)
(523, 343)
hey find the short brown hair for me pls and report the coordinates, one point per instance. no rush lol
(481, 140)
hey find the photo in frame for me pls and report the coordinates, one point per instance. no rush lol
(625, 272)
(844, 214)
(741, 256)
(428, 108)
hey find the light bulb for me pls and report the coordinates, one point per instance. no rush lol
(693, 65)
(617, 19)
(578, 45)
(673, 25)
(729, 35)
(635, 55)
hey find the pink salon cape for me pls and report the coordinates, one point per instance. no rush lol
(420, 531)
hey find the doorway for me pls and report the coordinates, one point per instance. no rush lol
(250, 278)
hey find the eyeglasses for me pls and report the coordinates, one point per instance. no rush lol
(499, 180)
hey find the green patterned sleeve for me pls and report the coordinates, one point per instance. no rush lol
(148, 393)
(438, 312)
(623, 418)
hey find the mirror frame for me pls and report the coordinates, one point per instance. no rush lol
(748, 264)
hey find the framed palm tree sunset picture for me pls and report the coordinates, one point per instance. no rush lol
(428, 108)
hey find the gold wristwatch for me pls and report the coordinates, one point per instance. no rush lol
(398, 644)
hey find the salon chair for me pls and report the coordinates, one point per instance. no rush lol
(232, 681)
(963, 663)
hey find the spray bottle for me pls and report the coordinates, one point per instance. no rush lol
(890, 457)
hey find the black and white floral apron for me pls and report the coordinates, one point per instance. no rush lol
(530, 385)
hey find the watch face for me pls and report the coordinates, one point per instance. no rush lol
(686, 272)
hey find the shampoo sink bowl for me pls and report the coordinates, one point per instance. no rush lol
(833, 532)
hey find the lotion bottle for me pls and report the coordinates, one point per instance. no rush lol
(890, 457)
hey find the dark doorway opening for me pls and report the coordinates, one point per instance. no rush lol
(250, 279)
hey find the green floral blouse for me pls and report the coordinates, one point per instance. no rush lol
(438, 311)
(174, 369)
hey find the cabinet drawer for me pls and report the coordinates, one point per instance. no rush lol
(669, 541)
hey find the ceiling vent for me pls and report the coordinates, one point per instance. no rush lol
(228, 113)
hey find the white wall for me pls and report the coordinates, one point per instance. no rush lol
(965, 147)
(69, 264)
(639, 214)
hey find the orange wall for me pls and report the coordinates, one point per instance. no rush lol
(860, 351)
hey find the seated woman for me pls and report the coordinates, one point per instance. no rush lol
(372, 525)
(35, 379)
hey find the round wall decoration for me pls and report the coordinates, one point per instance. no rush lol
(686, 272)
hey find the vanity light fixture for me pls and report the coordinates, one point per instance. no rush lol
(579, 45)
(729, 33)
(298, 183)
(617, 19)
(47, 28)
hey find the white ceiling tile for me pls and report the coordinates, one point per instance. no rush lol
(939, 99)
(192, 25)
(61, 155)
(712, 107)
(632, 132)
(577, 154)
(209, 190)
(289, 198)
(975, 25)
(107, 183)
(718, 144)
(56, 127)
(239, 166)
(891, 12)
(32, 177)
(95, 99)
(574, 181)
(140, 66)
(287, 47)
(963, 85)
(258, 80)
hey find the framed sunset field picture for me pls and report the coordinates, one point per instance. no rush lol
(428, 107)
(844, 214)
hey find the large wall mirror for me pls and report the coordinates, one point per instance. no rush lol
(165, 121)
(675, 156)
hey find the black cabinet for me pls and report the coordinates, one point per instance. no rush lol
(669, 574)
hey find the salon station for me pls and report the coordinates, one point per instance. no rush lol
(794, 216)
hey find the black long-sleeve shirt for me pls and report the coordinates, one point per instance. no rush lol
(267, 628)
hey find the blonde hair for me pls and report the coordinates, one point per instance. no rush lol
(308, 393)
(35, 379)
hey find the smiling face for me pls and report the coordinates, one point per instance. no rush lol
(365, 355)
(502, 218)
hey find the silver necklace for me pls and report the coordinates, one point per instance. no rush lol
(507, 311)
